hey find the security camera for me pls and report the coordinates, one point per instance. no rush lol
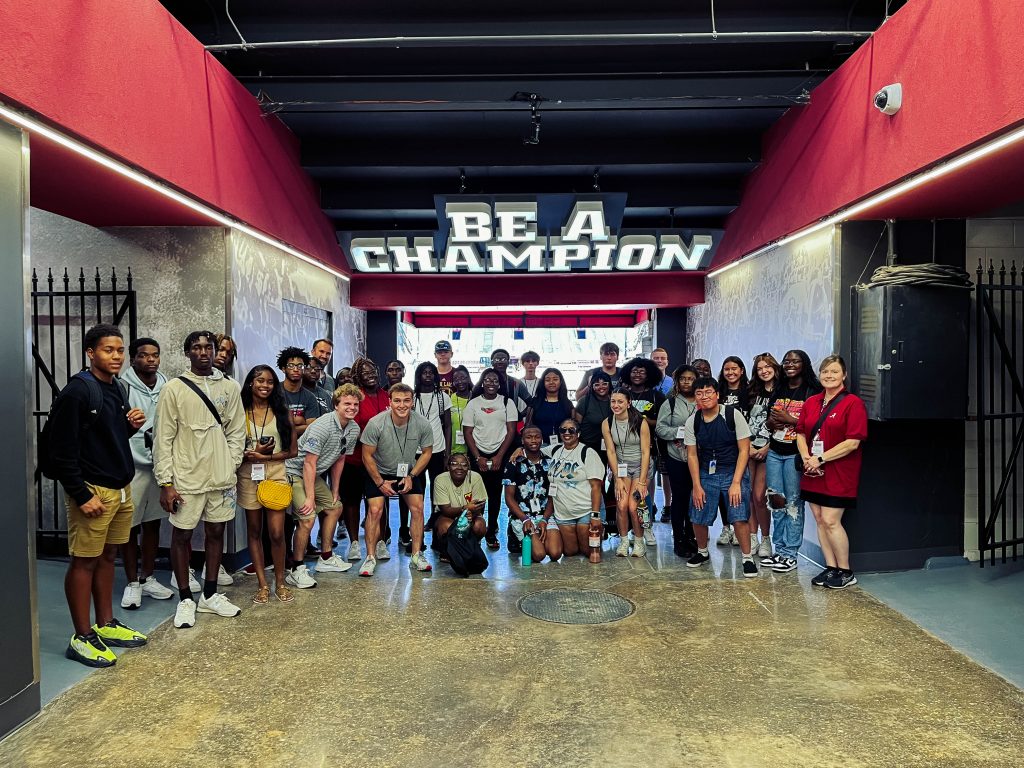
(889, 100)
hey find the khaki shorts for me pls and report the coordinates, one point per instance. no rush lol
(88, 535)
(210, 507)
(322, 496)
(247, 498)
(146, 497)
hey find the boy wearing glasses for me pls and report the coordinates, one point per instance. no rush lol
(292, 362)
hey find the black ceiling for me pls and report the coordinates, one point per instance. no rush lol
(640, 99)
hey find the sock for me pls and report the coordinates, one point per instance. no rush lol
(703, 551)
(847, 571)
(748, 557)
(326, 554)
(184, 593)
(209, 588)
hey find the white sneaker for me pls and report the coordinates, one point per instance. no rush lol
(153, 588)
(218, 604)
(223, 577)
(764, 549)
(132, 597)
(299, 577)
(649, 538)
(420, 563)
(333, 564)
(185, 614)
(381, 553)
(623, 549)
(193, 585)
(725, 537)
(639, 547)
(366, 569)
(355, 551)
(753, 543)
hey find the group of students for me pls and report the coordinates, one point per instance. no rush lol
(190, 449)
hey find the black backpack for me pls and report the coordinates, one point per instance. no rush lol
(464, 551)
(583, 453)
(730, 419)
(44, 459)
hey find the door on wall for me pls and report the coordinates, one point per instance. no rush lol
(63, 309)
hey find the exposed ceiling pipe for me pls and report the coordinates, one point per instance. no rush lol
(615, 37)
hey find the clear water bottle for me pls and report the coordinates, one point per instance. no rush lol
(594, 537)
(462, 524)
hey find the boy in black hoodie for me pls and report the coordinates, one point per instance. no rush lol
(91, 458)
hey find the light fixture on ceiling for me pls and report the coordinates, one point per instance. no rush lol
(36, 127)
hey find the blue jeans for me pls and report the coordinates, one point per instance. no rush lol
(783, 477)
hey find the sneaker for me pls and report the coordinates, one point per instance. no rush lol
(420, 563)
(840, 579)
(749, 569)
(119, 635)
(784, 564)
(153, 588)
(764, 549)
(218, 604)
(666, 517)
(223, 577)
(381, 552)
(193, 585)
(753, 543)
(355, 550)
(333, 564)
(698, 560)
(640, 547)
(299, 577)
(821, 578)
(185, 614)
(649, 538)
(132, 597)
(404, 537)
(725, 538)
(770, 561)
(90, 650)
(512, 543)
(368, 566)
(623, 549)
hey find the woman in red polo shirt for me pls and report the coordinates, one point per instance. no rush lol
(830, 448)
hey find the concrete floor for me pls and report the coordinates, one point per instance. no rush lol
(407, 669)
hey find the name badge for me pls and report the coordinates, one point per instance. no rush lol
(623, 470)
(818, 447)
(553, 439)
(403, 470)
(680, 433)
(712, 466)
(460, 439)
(259, 472)
(553, 491)
(535, 505)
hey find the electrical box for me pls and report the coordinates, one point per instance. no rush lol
(910, 351)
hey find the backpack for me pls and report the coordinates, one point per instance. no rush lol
(583, 453)
(44, 459)
(464, 551)
(730, 420)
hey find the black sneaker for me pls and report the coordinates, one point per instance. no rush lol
(784, 565)
(840, 579)
(749, 569)
(698, 560)
(821, 578)
(514, 545)
(770, 561)
(404, 537)
(666, 517)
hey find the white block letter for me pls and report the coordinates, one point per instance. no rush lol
(471, 222)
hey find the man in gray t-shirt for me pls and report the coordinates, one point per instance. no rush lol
(390, 443)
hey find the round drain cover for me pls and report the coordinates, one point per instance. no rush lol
(576, 606)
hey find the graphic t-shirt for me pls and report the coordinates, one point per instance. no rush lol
(432, 406)
(489, 418)
(647, 402)
(446, 492)
(758, 420)
(791, 401)
(569, 480)
(737, 398)
(531, 483)
(302, 403)
(446, 382)
(323, 402)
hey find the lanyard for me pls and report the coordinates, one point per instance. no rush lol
(405, 440)
(620, 441)
(564, 456)
(427, 413)
(263, 426)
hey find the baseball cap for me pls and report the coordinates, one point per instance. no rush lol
(442, 346)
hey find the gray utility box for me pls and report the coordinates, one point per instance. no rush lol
(910, 351)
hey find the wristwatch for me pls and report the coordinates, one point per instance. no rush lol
(821, 460)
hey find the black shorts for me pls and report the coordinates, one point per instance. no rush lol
(350, 489)
(824, 500)
(371, 491)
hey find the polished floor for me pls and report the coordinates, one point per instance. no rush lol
(405, 669)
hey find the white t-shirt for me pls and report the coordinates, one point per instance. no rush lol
(489, 418)
(570, 477)
(432, 406)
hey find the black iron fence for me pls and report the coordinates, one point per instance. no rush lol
(1000, 411)
(63, 309)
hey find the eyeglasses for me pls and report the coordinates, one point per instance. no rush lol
(568, 430)
(295, 367)
(499, 358)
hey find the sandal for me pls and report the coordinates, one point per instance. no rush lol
(492, 543)
(262, 596)
(284, 594)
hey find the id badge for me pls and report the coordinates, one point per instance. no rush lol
(553, 439)
(403, 470)
(259, 472)
(553, 491)
(680, 433)
(460, 439)
(535, 506)
(818, 447)
(623, 470)
(712, 467)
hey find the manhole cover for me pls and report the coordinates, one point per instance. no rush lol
(575, 606)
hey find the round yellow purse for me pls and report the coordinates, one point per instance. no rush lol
(273, 494)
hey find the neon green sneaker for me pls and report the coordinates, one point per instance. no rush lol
(90, 650)
(119, 635)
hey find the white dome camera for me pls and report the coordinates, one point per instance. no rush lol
(889, 100)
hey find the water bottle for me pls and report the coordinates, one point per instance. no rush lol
(594, 534)
(527, 550)
(462, 524)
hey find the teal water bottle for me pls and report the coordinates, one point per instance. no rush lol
(527, 550)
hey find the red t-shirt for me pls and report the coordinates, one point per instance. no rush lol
(369, 407)
(847, 421)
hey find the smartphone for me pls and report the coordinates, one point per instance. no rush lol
(266, 440)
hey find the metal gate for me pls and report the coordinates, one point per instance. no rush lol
(61, 315)
(1000, 401)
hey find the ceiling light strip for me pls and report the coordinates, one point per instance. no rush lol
(34, 126)
(946, 168)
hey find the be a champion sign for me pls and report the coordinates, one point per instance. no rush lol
(547, 233)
